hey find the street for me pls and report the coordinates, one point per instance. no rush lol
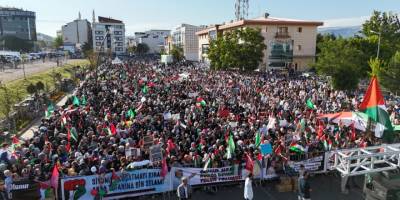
(30, 68)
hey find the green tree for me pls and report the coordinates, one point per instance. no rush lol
(58, 41)
(339, 60)
(7, 100)
(241, 48)
(142, 49)
(40, 86)
(389, 74)
(388, 24)
(31, 89)
(177, 53)
(16, 44)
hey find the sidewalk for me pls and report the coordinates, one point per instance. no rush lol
(28, 134)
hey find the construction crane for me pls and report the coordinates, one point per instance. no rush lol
(241, 9)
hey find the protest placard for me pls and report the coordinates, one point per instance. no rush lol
(155, 153)
(132, 152)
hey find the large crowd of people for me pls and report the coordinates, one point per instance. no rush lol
(191, 112)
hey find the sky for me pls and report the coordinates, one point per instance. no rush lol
(142, 15)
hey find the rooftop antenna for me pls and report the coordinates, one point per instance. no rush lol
(93, 17)
(79, 15)
(241, 9)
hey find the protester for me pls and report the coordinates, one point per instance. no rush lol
(304, 187)
(248, 187)
(184, 190)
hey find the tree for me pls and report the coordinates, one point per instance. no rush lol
(389, 74)
(388, 24)
(16, 44)
(39, 86)
(339, 60)
(86, 48)
(58, 41)
(131, 49)
(177, 53)
(241, 48)
(7, 100)
(142, 49)
(31, 89)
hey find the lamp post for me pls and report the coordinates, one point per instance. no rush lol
(379, 41)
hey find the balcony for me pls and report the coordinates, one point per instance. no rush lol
(282, 35)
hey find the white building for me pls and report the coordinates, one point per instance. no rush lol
(109, 34)
(77, 32)
(185, 37)
(154, 39)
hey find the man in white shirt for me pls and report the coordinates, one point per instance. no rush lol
(248, 188)
(184, 190)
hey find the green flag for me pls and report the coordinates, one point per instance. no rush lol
(74, 134)
(231, 147)
(258, 139)
(49, 111)
(76, 102)
(145, 89)
(131, 113)
(84, 102)
(310, 104)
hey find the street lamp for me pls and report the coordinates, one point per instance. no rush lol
(379, 41)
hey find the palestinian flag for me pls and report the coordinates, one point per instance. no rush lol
(310, 104)
(296, 147)
(231, 147)
(115, 179)
(63, 121)
(374, 106)
(49, 111)
(113, 129)
(200, 101)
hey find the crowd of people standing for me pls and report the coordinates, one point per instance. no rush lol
(191, 111)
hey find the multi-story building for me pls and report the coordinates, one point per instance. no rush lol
(185, 36)
(109, 34)
(18, 22)
(167, 44)
(154, 39)
(77, 32)
(289, 42)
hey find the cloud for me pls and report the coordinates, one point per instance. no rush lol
(352, 21)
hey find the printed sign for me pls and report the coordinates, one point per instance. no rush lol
(26, 189)
(132, 152)
(155, 153)
(313, 164)
(266, 149)
(129, 184)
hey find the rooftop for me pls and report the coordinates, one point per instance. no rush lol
(109, 20)
(263, 21)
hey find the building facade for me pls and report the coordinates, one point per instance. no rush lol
(289, 43)
(185, 36)
(18, 22)
(154, 39)
(77, 32)
(109, 35)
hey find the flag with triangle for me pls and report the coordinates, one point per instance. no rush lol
(373, 105)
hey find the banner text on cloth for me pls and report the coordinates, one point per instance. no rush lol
(128, 184)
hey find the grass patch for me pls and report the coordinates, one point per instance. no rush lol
(17, 88)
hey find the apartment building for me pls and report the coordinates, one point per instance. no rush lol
(109, 34)
(185, 36)
(290, 43)
(154, 39)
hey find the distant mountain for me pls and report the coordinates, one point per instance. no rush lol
(44, 37)
(345, 32)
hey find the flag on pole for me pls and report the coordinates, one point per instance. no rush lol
(208, 161)
(76, 101)
(145, 89)
(200, 101)
(131, 113)
(249, 163)
(49, 111)
(258, 139)
(310, 104)
(54, 177)
(164, 168)
(231, 147)
(15, 140)
(373, 105)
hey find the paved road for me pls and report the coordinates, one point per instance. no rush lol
(31, 68)
(324, 187)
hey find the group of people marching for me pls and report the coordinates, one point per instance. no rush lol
(197, 116)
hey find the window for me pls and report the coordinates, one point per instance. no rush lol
(99, 37)
(283, 30)
(99, 32)
(117, 32)
(118, 38)
(98, 43)
(300, 29)
(299, 47)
